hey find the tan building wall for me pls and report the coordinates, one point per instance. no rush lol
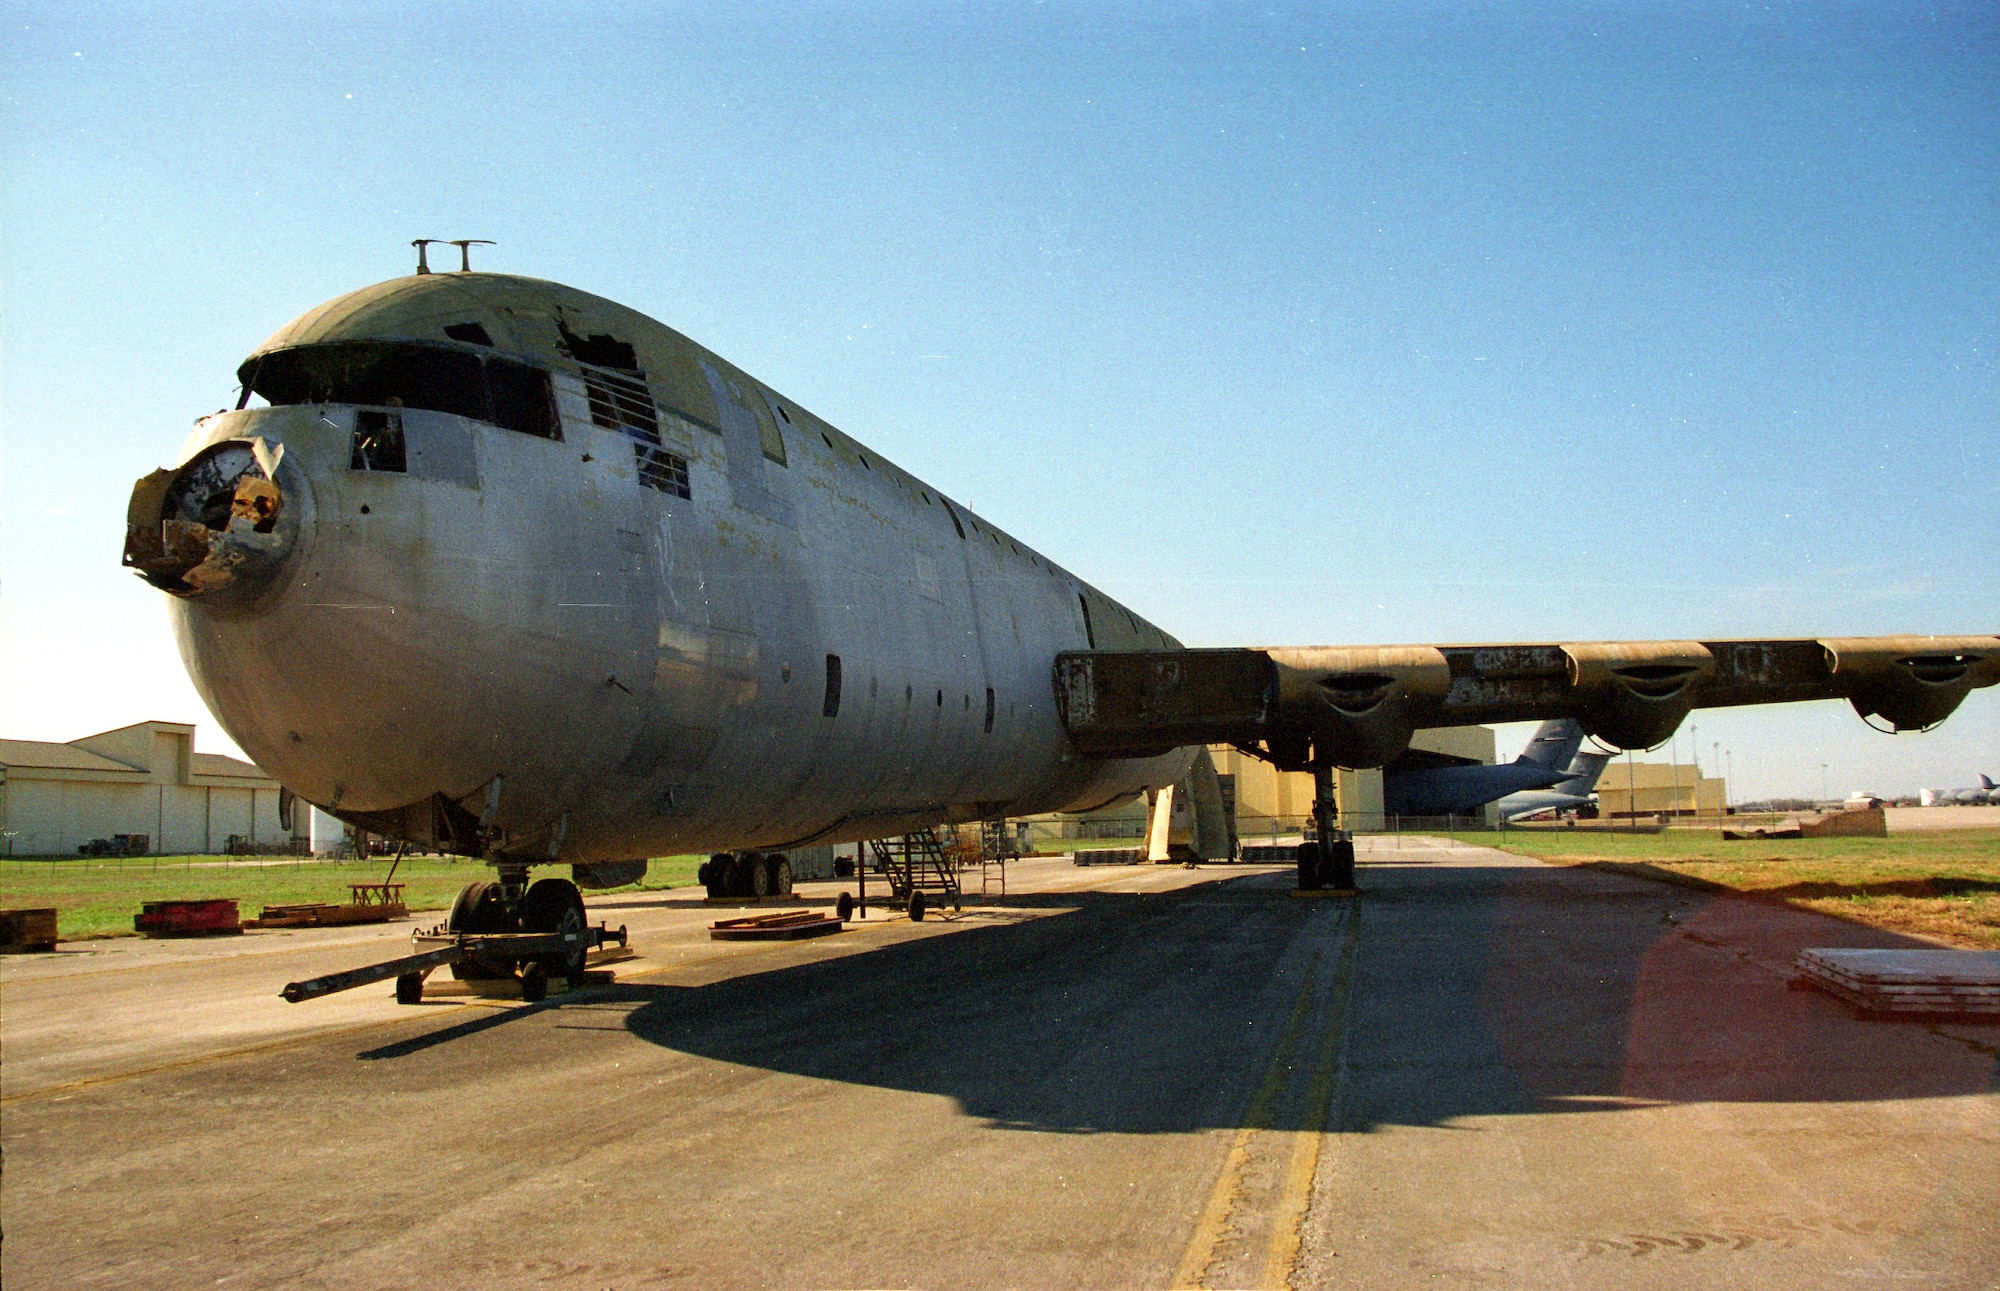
(142, 779)
(1656, 788)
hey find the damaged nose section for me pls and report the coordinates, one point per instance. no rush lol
(218, 524)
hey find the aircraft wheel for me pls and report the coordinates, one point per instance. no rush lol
(759, 874)
(714, 874)
(1309, 875)
(780, 868)
(843, 906)
(534, 982)
(554, 905)
(477, 908)
(916, 907)
(410, 988)
(1338, 872)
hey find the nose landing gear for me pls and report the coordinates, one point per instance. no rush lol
(548, 906)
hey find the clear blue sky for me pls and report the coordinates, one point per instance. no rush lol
(1282, 324)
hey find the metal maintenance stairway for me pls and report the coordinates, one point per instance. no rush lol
(918, 866)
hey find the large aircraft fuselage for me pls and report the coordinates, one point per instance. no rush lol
(663, 610)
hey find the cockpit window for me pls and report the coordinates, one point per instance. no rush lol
(406, 375)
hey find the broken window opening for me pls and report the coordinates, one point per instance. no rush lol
(829, 442)
(989, 710)
(403, 374)
(659, 469)
(831, 706)
(1089, 633)
(620, 402)
(599, 350)
(952, 511)
(378, 442)
(470, 333)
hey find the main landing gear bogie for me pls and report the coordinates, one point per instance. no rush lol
(746, 874)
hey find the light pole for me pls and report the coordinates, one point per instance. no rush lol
(1822, 782)
(1694, 756)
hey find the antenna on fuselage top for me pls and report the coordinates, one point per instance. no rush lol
(465, 246)
(423, 246)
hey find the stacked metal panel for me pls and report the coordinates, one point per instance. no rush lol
(1908, 981)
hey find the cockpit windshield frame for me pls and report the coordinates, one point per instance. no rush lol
(407, 374)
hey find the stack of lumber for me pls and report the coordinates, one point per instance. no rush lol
(321, 914)
(27, 930)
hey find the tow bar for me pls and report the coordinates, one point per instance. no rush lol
(491, 949)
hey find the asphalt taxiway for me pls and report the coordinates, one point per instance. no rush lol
(1483, 1072)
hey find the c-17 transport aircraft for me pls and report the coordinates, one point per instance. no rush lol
(508, 570)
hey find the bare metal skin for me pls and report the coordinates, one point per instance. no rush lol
(596, 670)
(511, 570)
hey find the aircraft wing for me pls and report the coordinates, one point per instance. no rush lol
(1356, 706)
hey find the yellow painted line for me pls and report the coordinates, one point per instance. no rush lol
(1288, 1226)
(1214, 1222)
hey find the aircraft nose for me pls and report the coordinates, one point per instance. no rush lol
(218, 527)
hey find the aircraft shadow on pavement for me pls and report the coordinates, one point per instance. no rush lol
(1474, 992)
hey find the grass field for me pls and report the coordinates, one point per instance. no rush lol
(1943, 884)
(97, 897)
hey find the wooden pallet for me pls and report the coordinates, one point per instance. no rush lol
(789, 926)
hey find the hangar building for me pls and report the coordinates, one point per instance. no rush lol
(144, 781)
(1630, 788)
(1279, 802)
(1268, 802)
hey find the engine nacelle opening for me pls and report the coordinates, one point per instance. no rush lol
(1910, 682)
(1633, 695)
(1361, 704)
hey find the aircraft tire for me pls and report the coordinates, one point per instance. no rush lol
(554, 905)
(714, 874)
(780, 868)
(477, 908)
(1338, 870)
(1310, 878)
(534, 982)
(758, 872)
(843, 906)
(916, 907)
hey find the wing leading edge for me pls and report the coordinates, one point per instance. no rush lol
(1357, 706)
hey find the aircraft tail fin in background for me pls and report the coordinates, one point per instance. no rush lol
(1586, 769)
(1554, 745)
(1986, 782)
